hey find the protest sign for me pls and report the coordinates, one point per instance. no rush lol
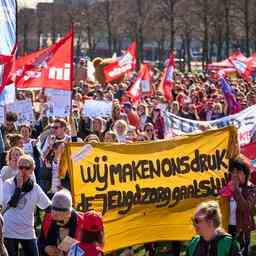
(97, 108)
(58, 102)
(23, 109)
(245, 121)
(149, 189)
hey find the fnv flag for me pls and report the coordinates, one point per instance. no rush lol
(167, 81)
(7, 43)
(142, 84)
(240, 63)
(122, 65)
(48, 68)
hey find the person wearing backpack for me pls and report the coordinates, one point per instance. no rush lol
(211, 239)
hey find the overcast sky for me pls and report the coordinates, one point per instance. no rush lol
(30, 3)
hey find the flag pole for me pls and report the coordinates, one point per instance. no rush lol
(73, 128)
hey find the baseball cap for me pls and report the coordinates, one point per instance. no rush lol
(92, 221)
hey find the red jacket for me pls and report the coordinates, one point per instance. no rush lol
(49, 230)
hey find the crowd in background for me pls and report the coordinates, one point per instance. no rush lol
(30, 158)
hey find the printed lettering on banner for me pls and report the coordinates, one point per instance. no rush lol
(161, 182)
(245, 122)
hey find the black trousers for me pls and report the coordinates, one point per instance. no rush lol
(29, 246)
(243, 238)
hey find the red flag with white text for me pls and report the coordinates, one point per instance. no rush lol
(142, 85)
(122, 65)
(51, 67)
(8, 62)
(168, 79)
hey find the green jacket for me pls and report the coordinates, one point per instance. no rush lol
(226, 246)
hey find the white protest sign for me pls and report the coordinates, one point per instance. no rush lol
(97, 108)
(245, 121)
(23, 109)
(58, 102)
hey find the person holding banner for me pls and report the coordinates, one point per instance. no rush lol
(58, 132)
(211, 240)
(242, 201)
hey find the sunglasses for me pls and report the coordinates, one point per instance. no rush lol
(23, 167)
(149, 130)
(56, 127)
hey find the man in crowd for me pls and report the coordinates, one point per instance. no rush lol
(61, 222)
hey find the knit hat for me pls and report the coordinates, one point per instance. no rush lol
(62, 201)
(92, 221)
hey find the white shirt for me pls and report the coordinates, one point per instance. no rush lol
(232, 211)
(19, 221)
(28, 147)
(55, 177)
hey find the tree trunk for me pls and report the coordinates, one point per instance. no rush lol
(139, 32)
(211, 51)
(188, 50)
(171, 19)
(206, 34)
(39, 32)
(25, 38)
(219, 44)
(109, 29)
(227, 32)
(247, 27)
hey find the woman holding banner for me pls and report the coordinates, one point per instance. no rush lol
(211, 240)
(242, 199)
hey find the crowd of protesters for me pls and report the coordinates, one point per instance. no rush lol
(30, 158)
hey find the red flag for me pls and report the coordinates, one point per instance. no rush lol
(142, 84)
(251, 65)
(240, 63)
(226, 72)
(8, 62)
(5, 59)
(51, 67)
(168, 80)
(122, 65)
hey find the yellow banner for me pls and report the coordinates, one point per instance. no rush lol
(148, 191)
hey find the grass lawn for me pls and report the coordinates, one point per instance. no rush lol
(253, 244)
